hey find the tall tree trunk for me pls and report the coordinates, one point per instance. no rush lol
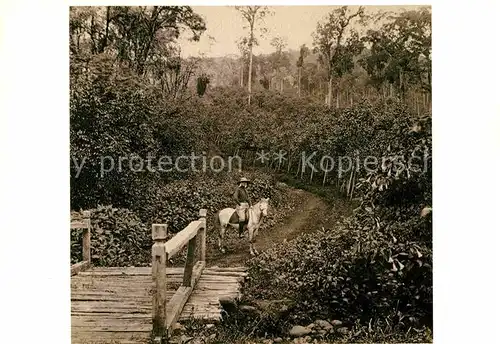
(104, 42)
(250, 45)
(242, 73)
(329, 97)
(338, 95)
(300, 77)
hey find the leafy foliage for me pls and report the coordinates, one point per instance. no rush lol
(376, 266)
(122, 237)
(119, 238)
(400, 51)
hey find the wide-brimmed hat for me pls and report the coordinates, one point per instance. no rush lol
(244, 180)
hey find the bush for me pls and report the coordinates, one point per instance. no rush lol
(122, 237)
(354, 273)
(119, 238)
(375, 267)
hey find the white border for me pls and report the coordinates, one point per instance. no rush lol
(34, 152)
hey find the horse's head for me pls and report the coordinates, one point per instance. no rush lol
(263, 205)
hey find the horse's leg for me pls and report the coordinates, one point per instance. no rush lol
(250, 240)
(253, 240)
(222, 230)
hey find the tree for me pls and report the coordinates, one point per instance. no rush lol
(243, 47)
(279, 43)
(304, 51)
(400, 52)
(337, 45)
(253, 15)
(134, 35)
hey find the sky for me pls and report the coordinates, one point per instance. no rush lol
(225, 27)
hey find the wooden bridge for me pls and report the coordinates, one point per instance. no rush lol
(142, 304)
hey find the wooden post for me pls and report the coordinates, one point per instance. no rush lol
(188, 268)
(86, 236)
(159, 272)
(203, 235)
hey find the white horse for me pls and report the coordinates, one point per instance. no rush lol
(228, 217)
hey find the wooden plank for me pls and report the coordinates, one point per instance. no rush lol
(112, 296)
(113, 328)
(97, 316)
(176, 305)
(174, 245)
(146, 270)
(110, 304)
(93, 340)
(126, 272)
(234, 269)
(188, 269)
(100, 307)
(226, 273)
(198, 269)
(86, 251)
(177, 302)
(203, 234)
(78, 267)
(111, 322)
(91, 335)
(78, 225)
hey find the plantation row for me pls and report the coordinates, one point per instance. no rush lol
(375, 268)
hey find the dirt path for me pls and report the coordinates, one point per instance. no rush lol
(309, 208)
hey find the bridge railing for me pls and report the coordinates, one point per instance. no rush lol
(166, 314)
(84, 224)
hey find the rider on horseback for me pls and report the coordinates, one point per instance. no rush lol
(242, 203)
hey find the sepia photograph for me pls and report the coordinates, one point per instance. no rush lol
(251, 174)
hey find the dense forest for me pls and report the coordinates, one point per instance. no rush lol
(361, 90)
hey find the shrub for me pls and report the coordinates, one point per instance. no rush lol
(376, 266)
(122, 237)
(353, 273)
(119, 238)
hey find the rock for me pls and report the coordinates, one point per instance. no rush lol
(212, 336)
(322, 332)
(175, 340)
(178, 328)
(311, 326)
(307, 339)
(343, 330)
(278, 340)
(299, 331)
(267, 341)
(209, 326)
(249, 309)
(284, 309)
(336, 323)
(325, 325)
(426, 211)
(185, 339)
